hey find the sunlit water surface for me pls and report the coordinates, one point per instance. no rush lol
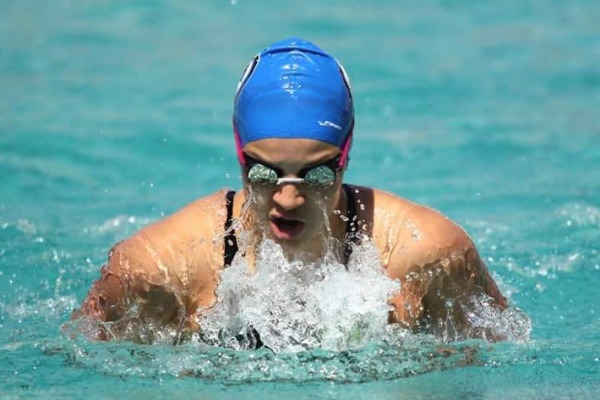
(113, 114)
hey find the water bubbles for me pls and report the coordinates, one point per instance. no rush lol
(483, 315)
(296, 306)
(27, 227)
(117, 224)
(580, 215)
(415, 233)
(406, 357)
(539, 287)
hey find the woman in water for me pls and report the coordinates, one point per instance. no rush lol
(293, 123)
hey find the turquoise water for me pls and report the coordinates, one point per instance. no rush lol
(113, 114)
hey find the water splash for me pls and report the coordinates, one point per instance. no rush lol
(582, 215)
(120, 224)
(295, 306)
(375, 362)
(511, 323)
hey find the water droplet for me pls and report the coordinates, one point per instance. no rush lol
(539, 287)
(296, 306)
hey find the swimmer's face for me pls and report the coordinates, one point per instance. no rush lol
(293, 212)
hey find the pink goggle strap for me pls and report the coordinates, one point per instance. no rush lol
(238, 146)
(346, 148)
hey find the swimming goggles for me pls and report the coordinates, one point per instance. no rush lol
(323, 175)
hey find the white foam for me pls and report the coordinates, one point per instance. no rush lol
(296, 306)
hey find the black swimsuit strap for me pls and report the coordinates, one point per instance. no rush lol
(231, 246)
(352, 223)
(350, 210)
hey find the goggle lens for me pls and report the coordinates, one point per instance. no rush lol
(320, 175)
(262, 174)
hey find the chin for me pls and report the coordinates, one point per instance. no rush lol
(297, 241)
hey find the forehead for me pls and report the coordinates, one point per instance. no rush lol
(291, 151)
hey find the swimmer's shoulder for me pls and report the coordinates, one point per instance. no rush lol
(409, 234)
(193, 222)
(414, 220)
(385, 210)
(171, 264)
(179, 246)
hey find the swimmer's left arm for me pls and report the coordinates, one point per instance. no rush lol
(459, 288)
(443, 277)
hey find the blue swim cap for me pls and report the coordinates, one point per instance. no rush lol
(293, 89)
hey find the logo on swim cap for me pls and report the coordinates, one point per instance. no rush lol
(294, 89)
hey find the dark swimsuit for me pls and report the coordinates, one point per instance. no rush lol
(251, 337)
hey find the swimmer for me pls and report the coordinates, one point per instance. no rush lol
(293, 124)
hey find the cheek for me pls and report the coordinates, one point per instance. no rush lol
(257, 193)
(259, 198)
(325, 200)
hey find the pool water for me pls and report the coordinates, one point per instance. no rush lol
(114, 114)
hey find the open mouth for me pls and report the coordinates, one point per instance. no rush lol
(286, 228)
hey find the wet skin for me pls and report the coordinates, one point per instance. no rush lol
(170, 269)
(297, 215)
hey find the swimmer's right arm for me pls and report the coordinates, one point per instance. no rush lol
(132, 289)
(162, 275)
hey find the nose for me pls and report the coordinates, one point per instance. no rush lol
(288, 197)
